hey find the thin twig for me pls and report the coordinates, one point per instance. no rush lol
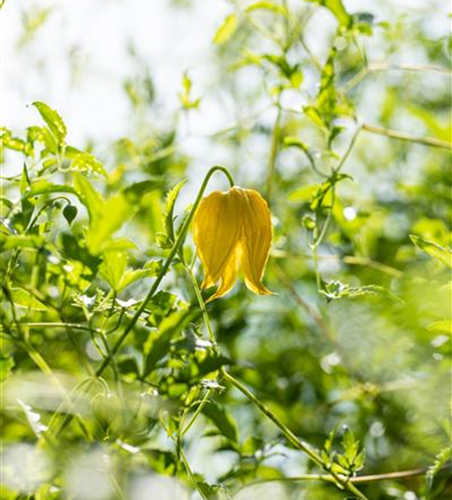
(403, 136)
(390, 476)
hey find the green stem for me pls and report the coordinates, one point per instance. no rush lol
(390, 476)
(196, 414)
(273, 151)
(178, 243)
(203, 307)
(395, 134)
(74, 326)
(191, 475)
(291, 437)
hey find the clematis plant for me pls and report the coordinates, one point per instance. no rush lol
(232, 231)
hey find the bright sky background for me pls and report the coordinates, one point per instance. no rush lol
(97, 32)
(94, 35)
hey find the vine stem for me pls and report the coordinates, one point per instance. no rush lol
(274, 150)
(390, 476)
(290, 436)
(175, 249)
(402, 136)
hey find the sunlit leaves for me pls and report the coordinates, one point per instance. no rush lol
(166, 238)
(53, 121)
(441, 254)
(329, 103)
(349, 458)
(266, 5)
(6, 366)
(338, 9)
(226, 30)
(84, 162)
(222, 420)
(186, 99)
(23, 298)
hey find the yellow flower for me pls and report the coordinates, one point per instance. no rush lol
(233, 230)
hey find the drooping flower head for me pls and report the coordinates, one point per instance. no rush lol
(232, 232)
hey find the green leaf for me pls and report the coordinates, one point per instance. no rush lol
(24, 181)
(114, 213)
(226, 30)
(304, 193)
(158, 344)
(43, 186)
(137, 190)
(53, 121)
(88, 196)
(6, 366)
(443, 326)
(10, 142)
(444, 456)
(266, 5)
(73, 250)
(185, 96)
(22, 298)
(86, 162)
(441, 254)
(222, 420)
(113, 268)
(338, 9)
(336, 290)
(70, 213)
(21, 241)
(166, 238)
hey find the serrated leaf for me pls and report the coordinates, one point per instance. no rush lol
(337, 290)
(222, 420)
(166, 238)
(226, 30)
(86, 162)
(443, 255)
(53, 121)
(441, 459)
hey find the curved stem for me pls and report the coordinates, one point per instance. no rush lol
(177, 244)
(292, 438)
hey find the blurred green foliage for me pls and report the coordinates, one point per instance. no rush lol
(353, 354)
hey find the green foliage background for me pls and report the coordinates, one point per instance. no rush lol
(352, 354)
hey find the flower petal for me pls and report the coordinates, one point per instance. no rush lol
(256, 240)
(216, 233)
(228, 276)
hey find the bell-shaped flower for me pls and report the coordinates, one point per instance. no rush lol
(233, 231)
